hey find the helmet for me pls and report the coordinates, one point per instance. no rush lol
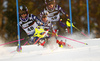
(23, 10)
(48, 2)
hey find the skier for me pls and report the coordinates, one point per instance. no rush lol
(28, 22)
(54, 12)
(46, 26)
(47, 23)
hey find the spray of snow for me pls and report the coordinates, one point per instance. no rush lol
(3, 50)
(76, 36)
(80, 36)
(51, 44)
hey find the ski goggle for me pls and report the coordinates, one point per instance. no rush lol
(22, 13)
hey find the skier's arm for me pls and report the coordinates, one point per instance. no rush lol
(38, 21)
(63, 12)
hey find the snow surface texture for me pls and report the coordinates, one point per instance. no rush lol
(79, 52)
(2, 50)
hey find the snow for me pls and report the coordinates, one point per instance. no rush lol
(79, 52)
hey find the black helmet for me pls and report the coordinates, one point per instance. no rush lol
(23, 10)
(48, 2)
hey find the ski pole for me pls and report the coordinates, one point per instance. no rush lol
(25, 43)
(68, 24)
(72, 40)
(81, 32)
(41, 36)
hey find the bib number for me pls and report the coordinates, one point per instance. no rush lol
(30, 28)
(53, 18)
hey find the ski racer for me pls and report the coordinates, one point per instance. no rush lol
(46, 26)
(47, 23)
(54, 12)
(28, 22)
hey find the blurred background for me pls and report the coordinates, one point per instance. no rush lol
(8, 18)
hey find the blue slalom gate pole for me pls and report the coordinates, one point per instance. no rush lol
(70, 16)
(88, 17)
(18, 24)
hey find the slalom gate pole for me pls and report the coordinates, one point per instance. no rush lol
(18, 23)
(19, 49)
(72, 40)
(11, 42)
(70, 16)
(88, 17)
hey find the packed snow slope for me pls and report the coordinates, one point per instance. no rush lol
(79, 52)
